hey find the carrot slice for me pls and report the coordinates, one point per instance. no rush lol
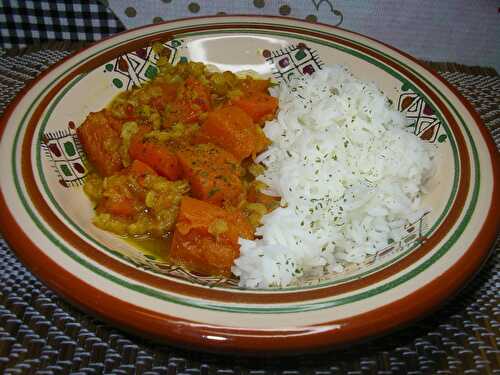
(213, 173)
(206, 237)
(233, 129)
(101, 142)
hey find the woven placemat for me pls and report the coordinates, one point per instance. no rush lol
(41, 334)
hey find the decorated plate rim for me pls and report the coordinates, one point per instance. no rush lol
(9, 222)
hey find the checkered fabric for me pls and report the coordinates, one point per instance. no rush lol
(24, 22)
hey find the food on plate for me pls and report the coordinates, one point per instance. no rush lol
(206, 236)
(173, 160)
(350, 175)
(271, 184)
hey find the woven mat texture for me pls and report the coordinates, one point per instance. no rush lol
(42, 334)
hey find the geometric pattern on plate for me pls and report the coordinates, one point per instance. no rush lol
(415, 236)
(63, 149)
(292, 61)
(425, 123)
(131, 69)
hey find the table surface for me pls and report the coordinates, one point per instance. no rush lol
(42, 334)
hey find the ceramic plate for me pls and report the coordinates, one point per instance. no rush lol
(47, 218)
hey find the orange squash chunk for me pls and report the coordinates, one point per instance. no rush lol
(118, 205)
(258, 105)
(213, 173)
(117, 198)
(140, 170)
(233, 129)
(156, 155)
(205, 239)
(101, 140)
(193, 99)
(252, 85)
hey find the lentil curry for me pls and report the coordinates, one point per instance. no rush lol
(172, 160)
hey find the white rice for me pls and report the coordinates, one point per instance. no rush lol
(349, 174)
